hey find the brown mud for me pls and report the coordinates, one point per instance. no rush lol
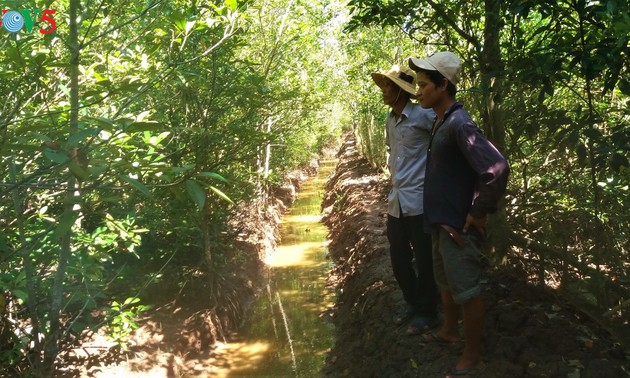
(529, 332)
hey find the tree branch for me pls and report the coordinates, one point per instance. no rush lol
(442, 13)
(119, 26)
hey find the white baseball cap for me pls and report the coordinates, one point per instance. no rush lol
(445, 62)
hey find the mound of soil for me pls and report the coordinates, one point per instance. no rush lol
(528, 331)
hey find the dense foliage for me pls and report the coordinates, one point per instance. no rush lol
(130, 131)
(128, 134)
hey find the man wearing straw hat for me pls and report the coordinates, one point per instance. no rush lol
(408, 129)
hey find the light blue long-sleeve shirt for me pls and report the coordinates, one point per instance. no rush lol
(407, 139)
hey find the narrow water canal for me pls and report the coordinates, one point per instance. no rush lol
(285, 336)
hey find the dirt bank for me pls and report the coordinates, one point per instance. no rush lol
(528, 332)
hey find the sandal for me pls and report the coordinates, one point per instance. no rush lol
(455, 372)
(403, 314)
(421, 324)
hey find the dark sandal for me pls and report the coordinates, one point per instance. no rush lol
(421, 324)
(472, 372)
(403, 314)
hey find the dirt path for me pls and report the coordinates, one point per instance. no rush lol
(528, 332)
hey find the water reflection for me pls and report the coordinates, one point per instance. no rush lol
(285, 336)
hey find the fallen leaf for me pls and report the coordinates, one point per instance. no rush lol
(414, 364)
(576, 363)
(556, 308)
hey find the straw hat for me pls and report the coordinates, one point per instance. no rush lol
(444, 62)
(404, 77)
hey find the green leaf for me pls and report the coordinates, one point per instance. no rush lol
(179, 21)
(213, 175)
(42, 137)
(221, 194)
(65, 224)
(593, 134)
(619, 162)
(185, 168)
(21, 294)
(78, 170)
(104, 123)
(77, 137)
(78, 327)
(97, 170)
(137, 184)
(144, 126)
(4, 246)
(231, 4)
(9, 149)
(196, 192)
(64, 89)
(131, 300)
(57, 156)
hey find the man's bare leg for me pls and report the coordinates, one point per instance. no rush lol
(448, 331)
(473, 316)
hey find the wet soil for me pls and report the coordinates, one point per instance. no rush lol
(529, 331)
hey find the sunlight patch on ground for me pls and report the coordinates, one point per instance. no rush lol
(243, 356)
(301, 218)
(123, 372)
(295, 255)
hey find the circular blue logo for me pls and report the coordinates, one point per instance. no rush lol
(13, 21)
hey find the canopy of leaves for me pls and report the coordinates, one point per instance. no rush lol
(184, 109)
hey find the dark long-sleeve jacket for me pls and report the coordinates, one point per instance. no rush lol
(465, 172)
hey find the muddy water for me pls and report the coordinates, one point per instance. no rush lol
(285, 335)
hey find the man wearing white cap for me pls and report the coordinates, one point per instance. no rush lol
(408, 130)
(465, 178)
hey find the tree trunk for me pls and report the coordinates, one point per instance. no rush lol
(601, 244)
(31, 302)
(53, 338)
(492, 71)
